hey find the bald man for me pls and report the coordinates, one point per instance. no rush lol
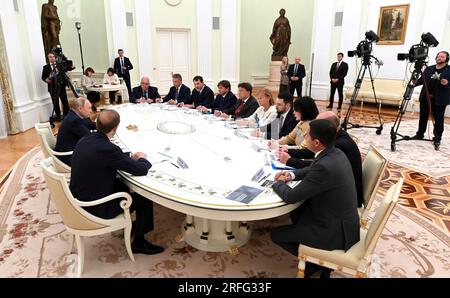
(145, 93)
(296, 73)
(95, 163)
(303, 158)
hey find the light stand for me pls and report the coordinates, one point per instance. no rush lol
(78, 26)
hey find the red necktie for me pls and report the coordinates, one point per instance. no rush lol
(238, 110)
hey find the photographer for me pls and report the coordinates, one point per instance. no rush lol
(437, 78)
(57, 91)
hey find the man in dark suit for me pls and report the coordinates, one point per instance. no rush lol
(245, 106)
(95, 163)
(285, 122)
(437, 78)
(49, 76)
(225, 101)
(202, 95)
(74, 126)
(301, 158)
(122, 67)
(145, 93)
(338, 72)
(296, 73)
(328, 217)
(178, 92)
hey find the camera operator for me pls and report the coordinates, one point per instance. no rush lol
(437, 78)
(49, 75)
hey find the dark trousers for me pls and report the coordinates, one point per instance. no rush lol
(112, 97)
(283, 89)
(60, 95)
(340, 89)
(93, 97)
(293, 88)
(438, 113)
(284, 236)
(127, 80)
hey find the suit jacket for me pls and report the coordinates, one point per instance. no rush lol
(126, 63)
(328, 218)
(441, 94)
(340, 73)
(226, 105)
(301, 73)
(289, 124)
(303, 158)
(206, 98)
(138, 93)
(95, 163)
(72, 129)
(46, 71)
(183, 95)
(249, 108)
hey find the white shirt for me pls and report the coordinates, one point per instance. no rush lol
(114, 79)
(265, 117)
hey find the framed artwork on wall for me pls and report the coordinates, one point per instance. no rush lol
(392, 24)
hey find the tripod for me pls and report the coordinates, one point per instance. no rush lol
(346, 124)
(417, 73)
(60, 79)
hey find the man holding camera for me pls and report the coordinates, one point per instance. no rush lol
(56, 88)
(437, 79)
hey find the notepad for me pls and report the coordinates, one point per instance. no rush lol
(244, 194)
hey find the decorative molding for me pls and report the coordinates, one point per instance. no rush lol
(118, 25)
(260, 80)
(229, 41)
(204, 40)
(144, 32)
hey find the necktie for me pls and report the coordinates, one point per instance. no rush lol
(121, 65)
(177, 94)
(338, 65)
(295, 69)
(281, 124)
(145, 94)
(239, 109)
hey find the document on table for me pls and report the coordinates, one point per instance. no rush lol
(244, 194)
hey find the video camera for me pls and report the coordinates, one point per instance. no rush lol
(62, 63)
(364, 48)
(419, 52)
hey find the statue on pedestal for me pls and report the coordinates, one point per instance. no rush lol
(281, 37)
(50, 26)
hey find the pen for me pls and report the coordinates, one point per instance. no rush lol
(265, 177)
(175, 165)
(165, 155)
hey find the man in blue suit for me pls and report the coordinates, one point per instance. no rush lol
(437, 78)
(74, 126)
(95, 163)
(179, 92)
(145, 93)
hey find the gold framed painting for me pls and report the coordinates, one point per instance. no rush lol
(392, 24)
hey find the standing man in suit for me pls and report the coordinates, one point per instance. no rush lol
(49, 76)
(145, 93)
(225, 101)
(246, 105)
(122, 67)
(75, 125)
(301, 158)
(95, 163)
(179, 92)
(327, 217)
(338, 72)
(202, 95)
(285, 122)
(437, 78)
(296, 73)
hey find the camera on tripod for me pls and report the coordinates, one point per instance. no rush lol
(364, 48)
(62, 63)
(419, 52)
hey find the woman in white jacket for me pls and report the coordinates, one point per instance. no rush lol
(264, 115)
(111, 78)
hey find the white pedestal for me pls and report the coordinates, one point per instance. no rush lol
(274, 76)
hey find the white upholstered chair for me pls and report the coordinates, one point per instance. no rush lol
(354, 138)
(373, 168)
(78, 221)
(357, 260)
(48, 142)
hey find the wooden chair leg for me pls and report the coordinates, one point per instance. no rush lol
(80, 248)
(127, 237)
(301, 267)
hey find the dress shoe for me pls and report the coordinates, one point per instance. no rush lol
(329, 107)
(437, 144)
(417, 137)
(146, 248)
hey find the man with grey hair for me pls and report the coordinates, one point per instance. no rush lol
(75, 125)
(145, 93)
(303, 158)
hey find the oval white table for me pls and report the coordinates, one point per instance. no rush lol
(219, 161)
(108, 87)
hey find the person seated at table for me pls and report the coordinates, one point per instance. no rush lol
(87, 82)
(179, 92)
(302, 158)
(305, 110)
(145, 93)
(75, 125)
(202, 95)
(285, 121)
(95, 163)
(246, 105)
(265, 114)
(111, 78)
(327, 218)
(224, 102)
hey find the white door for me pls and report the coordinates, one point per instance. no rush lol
(173, 57)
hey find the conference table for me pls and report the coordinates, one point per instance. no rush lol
(197, 161)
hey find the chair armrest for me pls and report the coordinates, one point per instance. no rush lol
(55, 153)
(125, 204)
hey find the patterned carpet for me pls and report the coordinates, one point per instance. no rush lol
(34, 243)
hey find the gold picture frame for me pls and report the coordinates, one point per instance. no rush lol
(392, 24)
